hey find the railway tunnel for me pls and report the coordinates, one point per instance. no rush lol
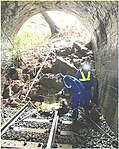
(100, 19)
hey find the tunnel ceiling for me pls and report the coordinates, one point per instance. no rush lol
(89, 13)
(100, 18)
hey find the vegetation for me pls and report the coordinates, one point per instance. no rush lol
(9, 56)
(27, 40)
(35, 30)
(23, 41)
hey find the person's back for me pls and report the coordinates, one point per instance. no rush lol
(86, 77)
(73, 84)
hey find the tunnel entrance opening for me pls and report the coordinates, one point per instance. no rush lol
(102, 17)
(69, 46)
(38, 28)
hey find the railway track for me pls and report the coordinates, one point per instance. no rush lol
(37, 130)
(29, 128)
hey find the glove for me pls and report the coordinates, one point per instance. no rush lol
(59, 93)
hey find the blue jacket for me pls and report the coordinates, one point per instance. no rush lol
(86, 77)
(72, 84)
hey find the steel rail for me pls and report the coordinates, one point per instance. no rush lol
(13, 119)
(53, 131)
(38, 72)
(25, 117)
(95, 124)
(8, 123)
(40, 69)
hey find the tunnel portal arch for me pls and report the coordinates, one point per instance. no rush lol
(100, 18)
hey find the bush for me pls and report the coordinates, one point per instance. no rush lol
(9, 56)
(27, 40)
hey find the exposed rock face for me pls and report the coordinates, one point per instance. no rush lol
(7, 92)
(16, 86)
(62, 66)
(100, 18)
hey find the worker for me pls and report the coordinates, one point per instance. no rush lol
(74, 86)
(85, 75)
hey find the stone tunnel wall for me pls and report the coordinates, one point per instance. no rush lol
(106, 57)
(100, 18)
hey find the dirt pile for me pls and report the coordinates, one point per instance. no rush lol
(67, 55)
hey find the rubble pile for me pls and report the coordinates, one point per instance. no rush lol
(67, 55)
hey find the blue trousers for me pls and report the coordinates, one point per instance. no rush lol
(75, 99)
(87, 97)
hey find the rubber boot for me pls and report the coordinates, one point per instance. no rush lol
(75, 114)
(87, 113)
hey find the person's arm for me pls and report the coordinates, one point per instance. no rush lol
(62, 91)
(92, 79)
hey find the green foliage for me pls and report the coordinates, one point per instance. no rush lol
(23, 41)
(9, 56)
(27, 40)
